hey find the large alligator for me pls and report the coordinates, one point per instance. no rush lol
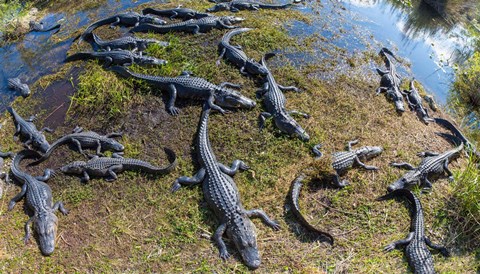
(108, 167)
(469, 146)
(85, 139)
(186, 86)
(390, 82)
(18, 86)
(432, 163)
(34, 26)
(344, 160)
(418, 255)
(38, 198)
(236, 55)
(274, 102)
(222, 196)
(126, 42)
(4, 175)
(28, 132)
(194, 26)
(179, 12)
(116, 57)
(128, 19)
(415, 103)
(295, 189)
(237, 5)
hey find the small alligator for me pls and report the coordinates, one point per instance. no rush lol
(85, 139)
(194, 26)
(109, 167)
(179, 12)
(4, 175)
(18, 86)
(418, 255)
(236, 55)
(469, 146)
(415, 103)
(116, 57)
(295, 189)
(38, 198)
(222, 196)
(432, 163)
(128, 19)
(344, 160)
(186, 86)
(274, 101)
(131, 43)
(390, 82)
(34, 26)
(431, 102)
(237, 5)
(29, 133)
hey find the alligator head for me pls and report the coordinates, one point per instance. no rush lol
(24, 90)
(75, 168)
(40, 142)
(242, 233)
(408, 179)
(147, 19)
(397, 98)
(288, 125)
(254, 67)
(219, 7)
(149, 60)
(230, 20)
(233, 99)
(45, 226)
(112, 144)
(370, 152)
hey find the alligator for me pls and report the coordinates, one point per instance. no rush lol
(34, 26)
(415, 103)
(469, 146)
(128, 19)
(131, 43)
(274, 101)
(295, 189)
(344, 160)
(390, 82)
(85, 139)
(38, 198)
(29, 134)
(236, 55)
(418, 255)
(237, 5)
(432, 163)
(117, 57)
(194, 26)
(4, 175)
(186, 86)
(431, 102)
(222, 196)
(18, 86)
(108, 167)
(179, 12)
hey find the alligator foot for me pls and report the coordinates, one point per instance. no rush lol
(173, 111)
(258, 213)
(317, 152)
(340, 183)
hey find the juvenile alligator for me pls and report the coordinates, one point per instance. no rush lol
(295, 189)
(431, 102)
(116, 57)
(274, 102)
(344, 160)
(237, 5)
(469, 146)
(29, 133)
(222, 196)
(390, 82)
(415, 103)
(18, 86)
(109, 167)
(194, 26)
(432, 163)
(34, 26)
(236, 55)
(126, 43)
(418, 255)
(128, 19)
(179, 12)
(38, 198)
(85, 139)
(186, 86)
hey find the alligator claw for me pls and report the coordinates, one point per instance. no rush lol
(174, 111)
(224, 254)
(275, 226)
(389, 248)
(175, 187)
(444, 252)
(244, 166)
(451, 179)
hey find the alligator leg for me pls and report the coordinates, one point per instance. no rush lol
(440, 248)
(233, 9)
(296, 112)
(243, 72)
(172, 91)
(31, 119)
(403, 165)
(108, 62)
(174, 14)
(261, 92)
(18, 128)
(59, 206)
(228, 84)
(381, 89)
(46, 175)
(47, 129)
(338, 182)
(396, 244)
(236, 165)
(99, 148)
(427, 154)
(427, 184)
(114, 24)
(289, 88)
(222, 53)
(196, 29)
(217, 237)
(17, 197)
(211, 104)
(258, 213)
(78, 145)
(381, 72)
(190, 181)
(85, 177)
(111, 172)
(263, 116)
(77, 129)
(349, 145)
(364, 165)
(449, 173)
(114, 135)
(28, 230)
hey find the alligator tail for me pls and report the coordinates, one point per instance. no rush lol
(226, 38)
(96, 25)
(317, 152)
(124, 72)
(13, 113)
(404, 193)
(154, 12)
(57, 26)
(47, 154)
(79, 56)
(149, 168)
(294, 194)
(26, 153)
(448, 125)
(452, 139)
(273, 6)
(266, 57)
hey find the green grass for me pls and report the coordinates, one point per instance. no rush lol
(465, 94)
